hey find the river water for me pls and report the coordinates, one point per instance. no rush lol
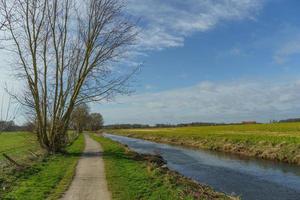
(251, 179)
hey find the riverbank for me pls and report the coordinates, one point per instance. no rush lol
(279, 142)
(133, 176)
(45, 177)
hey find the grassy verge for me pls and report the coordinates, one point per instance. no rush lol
(18, 145)
(131, 176)
(23, 148)
(47, 179)
(279, 142)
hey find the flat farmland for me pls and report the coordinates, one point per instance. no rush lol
(278, 141)
(18, 144)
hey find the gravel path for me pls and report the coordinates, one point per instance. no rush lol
(89, 182)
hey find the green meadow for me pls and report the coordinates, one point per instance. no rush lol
(278, 141)
(43, 176)
(18, 144)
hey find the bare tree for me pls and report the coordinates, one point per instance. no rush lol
(95, 121)
(80, 117)
(66, 50)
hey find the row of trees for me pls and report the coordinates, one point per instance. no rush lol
(126, 126)
(11, 126)
(7, 126)
(82, 119)
(129, 126)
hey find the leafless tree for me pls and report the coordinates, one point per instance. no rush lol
(80, 117)
(95, 121)
(66, 50)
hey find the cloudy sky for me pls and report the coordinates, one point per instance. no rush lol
(212, 60)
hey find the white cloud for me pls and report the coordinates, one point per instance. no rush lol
(166, 23)
(149, 87)
(208, 101)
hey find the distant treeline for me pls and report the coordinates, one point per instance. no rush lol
(128, 126)
(290, 120)
(9, 126)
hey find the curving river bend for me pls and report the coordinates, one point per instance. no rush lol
(252, 179)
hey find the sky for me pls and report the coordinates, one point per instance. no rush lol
(210, 61)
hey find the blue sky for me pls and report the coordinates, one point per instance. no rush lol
(210, 60)
(218, 60)
(232, 49)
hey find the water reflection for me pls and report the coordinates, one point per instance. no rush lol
(250, 178)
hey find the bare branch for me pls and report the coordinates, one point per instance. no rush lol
(65, 51)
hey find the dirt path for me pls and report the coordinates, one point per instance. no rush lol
(89, 182)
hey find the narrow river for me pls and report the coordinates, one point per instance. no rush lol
(251, 179)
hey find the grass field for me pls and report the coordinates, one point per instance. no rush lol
(18, 145)
(279, 141)
(44, 178)
(129, 178)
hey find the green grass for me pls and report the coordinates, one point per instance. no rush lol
(46, 179)
(279, 141)
(130, 179)
(17, 144)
